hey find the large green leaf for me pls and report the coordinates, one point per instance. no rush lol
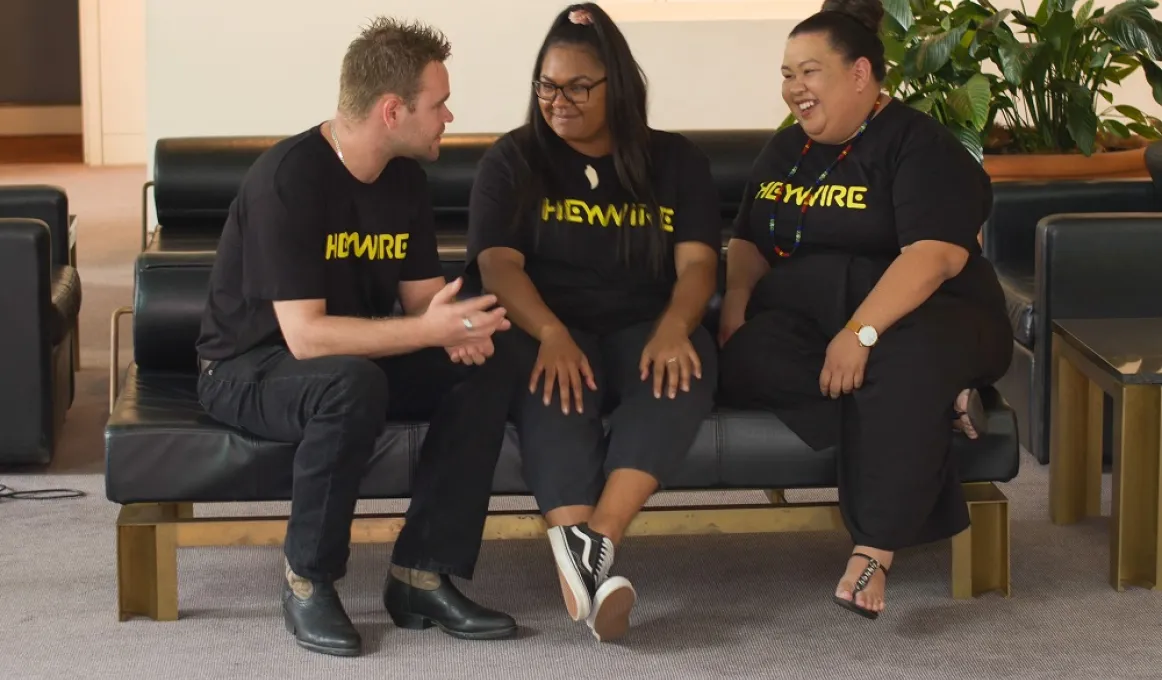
(1131, 112)
(970, 102)
(1146, 131)
(1153, 76)
(971, 139)
(1117, 127)
(901, 12)
(924, 104)
(1080, 118)
(1100, 55)
(1083, 15)
(994, 22)
(1065, 6)
(894, 49)
(1059, 30)
(935, 51)
(1132, 27)
(1016, 57)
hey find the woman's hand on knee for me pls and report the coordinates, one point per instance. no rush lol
(564, 364)
(844, 365)
(673, 359)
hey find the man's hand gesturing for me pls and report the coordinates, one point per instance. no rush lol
(453, 324)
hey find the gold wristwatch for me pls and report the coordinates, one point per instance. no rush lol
(866, 334)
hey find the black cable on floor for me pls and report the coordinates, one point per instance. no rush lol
(8, 493)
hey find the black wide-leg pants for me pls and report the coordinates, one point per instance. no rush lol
(898, 482)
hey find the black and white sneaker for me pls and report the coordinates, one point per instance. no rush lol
(583, 559)
(611, 608)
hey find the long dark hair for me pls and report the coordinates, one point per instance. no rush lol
(625, 112)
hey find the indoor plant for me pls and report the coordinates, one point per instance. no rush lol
(935, 52)
(1055, 113)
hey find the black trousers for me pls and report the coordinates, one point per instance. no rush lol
(898, 482)
(567, 458)
(334, 408)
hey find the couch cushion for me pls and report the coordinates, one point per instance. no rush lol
(1020, 292)
(162, 447)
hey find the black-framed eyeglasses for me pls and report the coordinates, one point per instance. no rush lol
(575, 93)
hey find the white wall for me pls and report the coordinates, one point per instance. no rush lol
(113, 83)
(241, 67)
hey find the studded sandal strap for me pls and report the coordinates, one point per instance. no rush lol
(872, 566)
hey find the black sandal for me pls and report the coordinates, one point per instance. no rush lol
(872, 566)
(977, 417)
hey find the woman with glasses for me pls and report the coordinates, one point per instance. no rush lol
(600, 237)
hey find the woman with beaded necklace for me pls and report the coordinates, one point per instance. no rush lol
(858, 304)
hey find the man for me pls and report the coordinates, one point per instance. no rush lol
(330, 229)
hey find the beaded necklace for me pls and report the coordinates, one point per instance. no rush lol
(807, 197)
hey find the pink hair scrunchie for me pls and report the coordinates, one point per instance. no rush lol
(581, 16)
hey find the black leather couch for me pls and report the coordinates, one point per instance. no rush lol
(163, 449)
(1016, 241)
(40, 299)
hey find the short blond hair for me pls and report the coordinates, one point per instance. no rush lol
(388, 57)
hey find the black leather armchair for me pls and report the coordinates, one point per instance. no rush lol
(1012, 238)
(38, 308)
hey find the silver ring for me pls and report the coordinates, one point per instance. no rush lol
(672, 360)
(468, 323)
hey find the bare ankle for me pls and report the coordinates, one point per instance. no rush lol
(884, 557)
(607, 528)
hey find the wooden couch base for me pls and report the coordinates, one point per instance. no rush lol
(148, 536)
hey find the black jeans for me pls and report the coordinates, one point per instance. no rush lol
(334, 408)
(566, 459)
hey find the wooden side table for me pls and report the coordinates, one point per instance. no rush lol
(1121, 358)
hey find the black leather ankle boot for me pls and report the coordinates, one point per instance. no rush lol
(319, 622)
(446, 608)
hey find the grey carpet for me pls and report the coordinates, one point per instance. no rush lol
(756, 606)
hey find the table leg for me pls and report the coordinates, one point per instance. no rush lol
(1071, 489)
(1134, 517)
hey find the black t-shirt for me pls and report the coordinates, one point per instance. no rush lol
(907, 179)
(570, 240)
(302, 227)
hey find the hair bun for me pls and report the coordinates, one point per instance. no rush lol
(869, 13)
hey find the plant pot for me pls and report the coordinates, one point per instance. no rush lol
(1130, 163)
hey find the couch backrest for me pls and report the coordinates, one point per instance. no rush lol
(169, 294)
(49, 204)
(1010, 236)
(170, 291)
(196, 178)
(1079, 285)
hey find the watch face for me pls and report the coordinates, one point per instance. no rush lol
(867, 336)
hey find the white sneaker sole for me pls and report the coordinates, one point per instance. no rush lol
(611, 608)
(573, 589)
